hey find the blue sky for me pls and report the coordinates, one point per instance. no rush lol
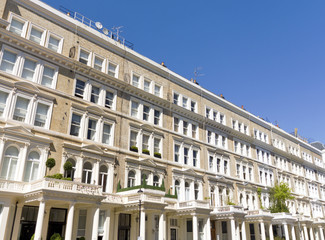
(266, 55)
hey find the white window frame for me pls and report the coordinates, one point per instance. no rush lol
(89, 62)
(58, 37)
(116, 69)
(39, 28)
(20, 19)
(95, 55)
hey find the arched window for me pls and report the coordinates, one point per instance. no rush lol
(221, 197)
(87, 172)
(70, 173)
(102, 181)
(187, 191)
(144, 177)
(177, 189)
(32, 166)
(212, 196)
(156, 181)
(131, 179)
(9, 165)
(241, 199)
(196, 191)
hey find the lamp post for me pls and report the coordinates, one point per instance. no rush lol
(140, 192)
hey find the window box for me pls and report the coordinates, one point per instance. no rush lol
(134, 148)
(146, 151)
(157, 155)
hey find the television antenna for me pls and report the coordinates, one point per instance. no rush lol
(118, 30)
(197, 73)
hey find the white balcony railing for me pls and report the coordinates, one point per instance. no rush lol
(194, 203)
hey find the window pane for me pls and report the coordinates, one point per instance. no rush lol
(16, 27)
(3, 101)
(53, 44)
(75, 125)
(146, 110)
(146, 86)
(91, 129)
(36, 35)
(109, 99)
(106, 133)
(80, 88)
(8, 61)
(48, 75)
(157, 90)
(94, 94)
(29, 69)
(112, 69)
(21, 109)
(134, 109)
(83, 58)
(135, 81)
(41, 115)
(98, 63)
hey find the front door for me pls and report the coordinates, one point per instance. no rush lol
(28, 222)
(57, 222)
(124, 226)
(173, 234)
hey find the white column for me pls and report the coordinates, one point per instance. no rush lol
(263, 231)
(21, 163)
(143, 225)
(2, 143)
(311, 233)
(46, 221)
(4, 220)
(95, 173)
(107, 224)
(182, 190)
(17, 221)
(94, 234)
(321, 233)
(195, 230)
(207, 229)
(110, 179)
(116, 216)
(257, 231)
(69, 226)
(233, 229)
(162, 226)
(39, 222)
(243, 230)
(306, 232)
(237, 230)
(271, 231)
(293, 232)
(286, 231)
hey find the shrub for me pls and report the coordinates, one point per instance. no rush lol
(146, 151)
(56, 236)
(67, 166)
(82, 238)
(32, 238)
(50, 163)
(157, 155)
(134, 148)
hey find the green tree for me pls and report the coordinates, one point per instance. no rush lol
(279, 194)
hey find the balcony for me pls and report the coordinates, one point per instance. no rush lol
(194, 204)
(50, 184)
(259, 212)
(229, 208)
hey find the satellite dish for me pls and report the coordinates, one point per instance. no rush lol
(105, 31)
(99, 25)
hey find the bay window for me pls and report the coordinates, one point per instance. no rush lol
(37, 35)
(18, 25)
(75, 125)
(8, 61)
(87, 172)
(21, 109)
(32, 166)
(9, 165)
(41, 115)
(91, 132)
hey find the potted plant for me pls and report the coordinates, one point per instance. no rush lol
(157, 155)
(134, 148)
(146, 151)
(50, 163)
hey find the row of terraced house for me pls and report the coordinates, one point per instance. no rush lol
(143, 152)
